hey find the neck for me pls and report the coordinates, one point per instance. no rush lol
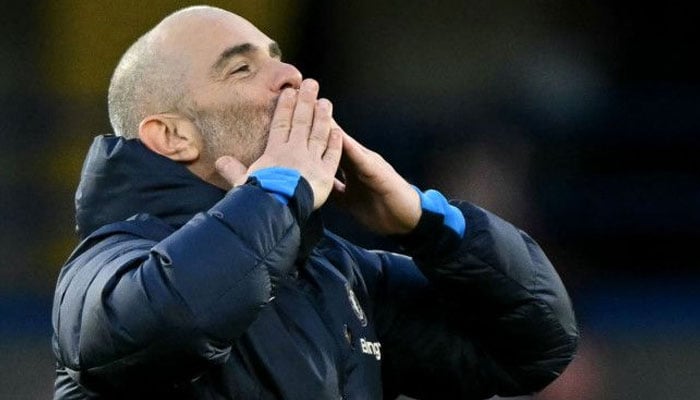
(207, 172)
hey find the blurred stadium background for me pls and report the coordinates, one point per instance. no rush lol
(576, 120)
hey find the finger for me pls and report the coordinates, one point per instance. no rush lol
(282, 118)
(304, 112)
(318, 139)
(345, 163)
(357, 157)
(337, 194)
(331, 158)
(353, 146)
(232, 170)
(338, 186)
(351, 153)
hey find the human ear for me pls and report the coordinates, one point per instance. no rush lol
(170, 136)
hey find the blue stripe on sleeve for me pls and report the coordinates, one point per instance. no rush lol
(433, 201)
(279, 182)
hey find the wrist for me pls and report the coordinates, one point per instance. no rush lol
(440, 229)
(432, 201)
(288, 188)
(409, 217)
(279, 182)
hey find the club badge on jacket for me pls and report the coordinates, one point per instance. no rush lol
(359, 313)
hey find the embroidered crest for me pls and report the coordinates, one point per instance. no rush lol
(356, 306)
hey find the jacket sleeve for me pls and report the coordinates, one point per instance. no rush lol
(469, 317)
(131, 312)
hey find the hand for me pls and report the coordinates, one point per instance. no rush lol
(374, 192)
(302, 137)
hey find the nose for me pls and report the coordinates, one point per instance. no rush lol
(287, 76)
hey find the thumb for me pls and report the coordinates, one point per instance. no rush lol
(232, 170)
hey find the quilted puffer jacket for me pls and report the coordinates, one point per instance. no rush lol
(180, 290)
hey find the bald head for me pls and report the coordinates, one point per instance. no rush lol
(151, 76)
(201, 84)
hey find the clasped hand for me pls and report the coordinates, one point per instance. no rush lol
(304, 136)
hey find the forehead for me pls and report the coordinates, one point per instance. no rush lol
(199, 40)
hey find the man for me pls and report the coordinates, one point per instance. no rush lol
(205, 273)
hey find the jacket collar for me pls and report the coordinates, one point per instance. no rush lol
(121, 178)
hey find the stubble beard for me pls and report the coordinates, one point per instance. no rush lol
(239, 130)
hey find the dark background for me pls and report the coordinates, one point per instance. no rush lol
(575, 120)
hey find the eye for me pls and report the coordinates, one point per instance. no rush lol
(240, 68)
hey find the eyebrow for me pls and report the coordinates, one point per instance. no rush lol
(245, 48)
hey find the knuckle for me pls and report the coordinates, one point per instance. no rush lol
(307, 96)
(279, 124)
(319, 134)
(302, 120)
(284, 108)
(316, 139)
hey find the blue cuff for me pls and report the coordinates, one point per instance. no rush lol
(433, 201)
(278, 182)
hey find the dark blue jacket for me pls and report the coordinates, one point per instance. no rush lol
(182, 291)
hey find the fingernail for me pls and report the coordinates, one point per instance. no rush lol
(309, 85)
(324, 105)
